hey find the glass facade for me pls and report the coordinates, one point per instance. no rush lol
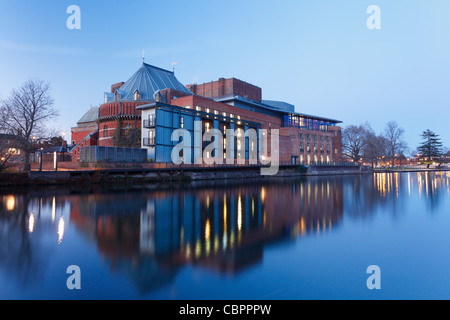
(301, 122)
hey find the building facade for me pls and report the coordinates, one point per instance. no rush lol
(147, 110)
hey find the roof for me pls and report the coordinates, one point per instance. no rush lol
(283, 108)
(90, 116)
(148, 80)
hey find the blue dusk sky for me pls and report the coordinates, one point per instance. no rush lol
(318, 55)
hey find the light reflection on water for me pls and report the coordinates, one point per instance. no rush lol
(156, 241)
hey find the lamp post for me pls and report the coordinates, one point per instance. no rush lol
(40, 163)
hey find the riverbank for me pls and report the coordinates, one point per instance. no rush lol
(140, 176)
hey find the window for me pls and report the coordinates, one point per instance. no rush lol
(308, 147)
(207, 125)
(231, 115)
(207, 110)
(117, 96)
(328, 148)
(198, 108)
(105, 131)
(216, 112)
(301, 135)
(187, 107)
(137, 96)
(315, 147)
(302, 149)
(182, 122)
(224, 114)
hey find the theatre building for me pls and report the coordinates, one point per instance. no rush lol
(146, 110)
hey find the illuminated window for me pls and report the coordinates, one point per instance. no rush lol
(181, 122)
(137, 96)
(224, 114)
(198, 108)
(207, 127)
(216, 112)
(207, 110)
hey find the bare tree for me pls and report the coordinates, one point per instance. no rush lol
(395, 143)
(353, 139)
(26, 113)
(374, 147)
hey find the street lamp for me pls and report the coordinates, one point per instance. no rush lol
(40, 164)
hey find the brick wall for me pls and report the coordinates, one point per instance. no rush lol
(226, 87)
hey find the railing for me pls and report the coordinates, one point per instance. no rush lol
(148, 142)
(150, 123)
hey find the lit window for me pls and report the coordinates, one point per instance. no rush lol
(181, 122)
(187, 107)
(231, 115)
(198, 108)
(207, 110)
(216, 112)
(224, 114)
(207, 127)
(137, 95)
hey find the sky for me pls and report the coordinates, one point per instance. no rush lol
(318, 55)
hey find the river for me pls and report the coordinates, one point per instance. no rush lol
(275, 238)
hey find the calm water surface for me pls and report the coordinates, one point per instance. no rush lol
(303, 238)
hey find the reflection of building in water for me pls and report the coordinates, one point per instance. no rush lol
(150, 235)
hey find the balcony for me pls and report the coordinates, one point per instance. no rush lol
(149, 142)
(150, 123)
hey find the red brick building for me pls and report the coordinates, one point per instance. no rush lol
(220, 104)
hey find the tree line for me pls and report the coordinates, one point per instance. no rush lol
(362, 143)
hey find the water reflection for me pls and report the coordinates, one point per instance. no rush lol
(150, 233)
